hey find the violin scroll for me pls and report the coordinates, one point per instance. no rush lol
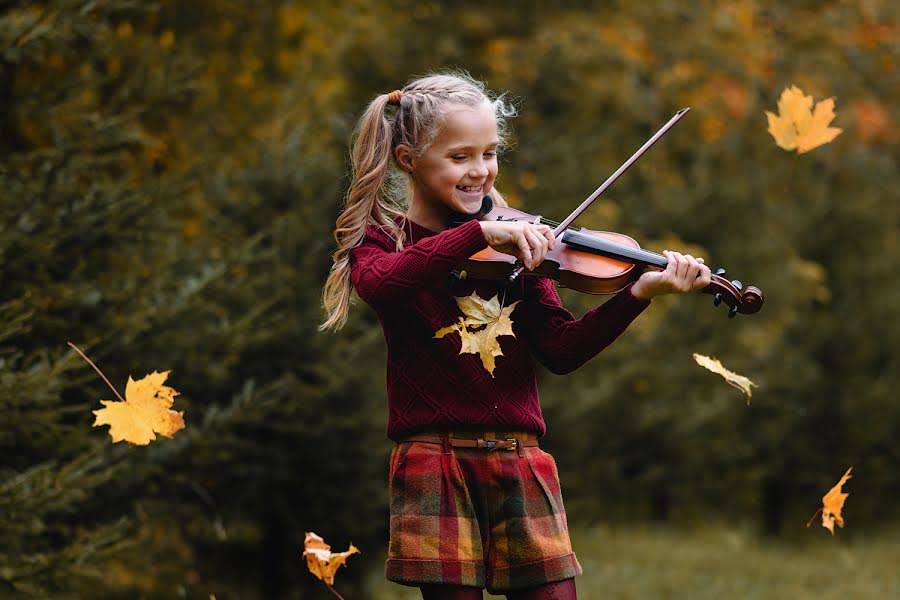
(739, 300)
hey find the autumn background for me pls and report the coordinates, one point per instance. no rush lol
(170, 173)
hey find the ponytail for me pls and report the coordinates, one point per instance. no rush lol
(365, 203)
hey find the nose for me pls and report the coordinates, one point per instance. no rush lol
(479, 169)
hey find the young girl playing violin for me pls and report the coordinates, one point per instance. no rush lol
(474, 501)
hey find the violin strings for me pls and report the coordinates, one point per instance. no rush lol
(553, 224)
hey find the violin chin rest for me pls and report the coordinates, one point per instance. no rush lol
(458, 218)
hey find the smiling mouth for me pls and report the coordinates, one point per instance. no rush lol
(470, 189)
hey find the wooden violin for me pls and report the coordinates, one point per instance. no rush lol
(595, 262)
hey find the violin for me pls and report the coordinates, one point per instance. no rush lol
(594, 262)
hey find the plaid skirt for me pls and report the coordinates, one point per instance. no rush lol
(473, 517)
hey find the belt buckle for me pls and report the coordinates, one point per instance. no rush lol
(511, 444)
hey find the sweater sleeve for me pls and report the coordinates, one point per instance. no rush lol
(380, 274)
(563, 343)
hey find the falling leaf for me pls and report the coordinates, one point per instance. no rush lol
(484, 322)
(832, 503)
(321, 561)
(145, 410)
(797, 125)
(733, 379)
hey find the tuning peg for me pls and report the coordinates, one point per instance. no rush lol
(720, 271)
(717, 299)
(737, 284)
(732, 311)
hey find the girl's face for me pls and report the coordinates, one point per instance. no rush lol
(459, 167)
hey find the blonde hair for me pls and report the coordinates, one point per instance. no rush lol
(379, 190)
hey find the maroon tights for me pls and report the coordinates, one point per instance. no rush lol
(559, 590)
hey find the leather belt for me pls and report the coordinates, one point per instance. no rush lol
(511, 444)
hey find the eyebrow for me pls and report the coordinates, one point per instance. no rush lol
(461, 148)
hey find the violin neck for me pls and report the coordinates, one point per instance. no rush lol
(598, 245)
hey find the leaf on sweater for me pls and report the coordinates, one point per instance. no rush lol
(144, 411)
(797, 125)
(832, 503)
(733, 379)
(321, 561)
(483, 322)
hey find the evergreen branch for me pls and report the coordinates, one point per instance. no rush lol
(23, 35)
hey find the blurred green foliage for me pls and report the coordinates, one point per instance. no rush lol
(169, 177)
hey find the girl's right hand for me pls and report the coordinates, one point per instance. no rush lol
(527, 242)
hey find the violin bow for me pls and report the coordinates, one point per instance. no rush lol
(583, 206)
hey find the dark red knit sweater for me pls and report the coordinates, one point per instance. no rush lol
(430, 385)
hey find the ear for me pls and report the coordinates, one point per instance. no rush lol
(405, 157)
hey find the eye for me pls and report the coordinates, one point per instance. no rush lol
(459, 157)
(491, 154)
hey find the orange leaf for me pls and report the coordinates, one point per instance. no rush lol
(797, 125)
(321, 561)
(145, 410)
(832, 503)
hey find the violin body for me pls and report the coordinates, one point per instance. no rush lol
(593, 262)
(573, 268)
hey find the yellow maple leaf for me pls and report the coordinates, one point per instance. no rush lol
(739, 381)
(321, 561)
(483, 323)
(797, 125)
(144, 411)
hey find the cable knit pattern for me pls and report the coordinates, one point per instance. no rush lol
(430, 385)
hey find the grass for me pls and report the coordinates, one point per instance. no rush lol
(720, 562)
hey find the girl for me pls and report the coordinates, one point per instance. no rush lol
(474, 502)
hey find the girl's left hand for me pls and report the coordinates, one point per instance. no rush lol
(683, 274)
